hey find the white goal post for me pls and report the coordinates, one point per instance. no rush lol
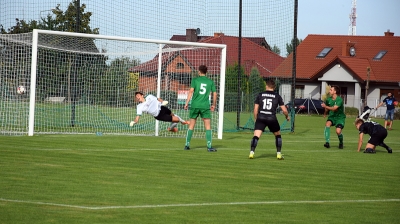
(96, 77)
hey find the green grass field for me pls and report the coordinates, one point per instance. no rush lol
(126, 179)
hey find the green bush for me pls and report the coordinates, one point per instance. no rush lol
(231, 103)
(351, 111)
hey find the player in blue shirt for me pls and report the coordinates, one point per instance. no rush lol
(390, 103)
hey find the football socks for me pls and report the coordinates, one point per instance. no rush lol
(253, 143)
(340, 138)
(180, 119)
(189, 134)
(278, 143)
(327, 133)
(209, 138)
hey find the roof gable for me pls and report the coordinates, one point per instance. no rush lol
(254, 55)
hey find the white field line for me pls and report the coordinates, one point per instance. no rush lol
(198, 204)
(199, 148)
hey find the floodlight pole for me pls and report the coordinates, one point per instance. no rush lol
(367, 87)
(294, 44)
(239, 96)
(75, 80)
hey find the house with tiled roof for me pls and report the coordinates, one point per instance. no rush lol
(192, 35)
(364, 67)
(179, 65)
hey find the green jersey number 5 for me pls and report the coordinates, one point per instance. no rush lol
(203, 89)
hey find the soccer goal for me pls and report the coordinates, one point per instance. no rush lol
(84, 83)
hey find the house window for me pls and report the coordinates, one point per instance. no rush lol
(343, 94)
(324, 52)
(362, 94)
(380, 55)
(299, 92)
(180, 65)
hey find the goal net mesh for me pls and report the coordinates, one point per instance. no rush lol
(266, 29)
(87, 85)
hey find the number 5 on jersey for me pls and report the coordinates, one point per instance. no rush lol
(203, 89)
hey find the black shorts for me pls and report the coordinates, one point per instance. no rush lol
(378, 137)
(267, 121)
(164, 115)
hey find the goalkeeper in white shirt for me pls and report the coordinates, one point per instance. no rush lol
(156, 108)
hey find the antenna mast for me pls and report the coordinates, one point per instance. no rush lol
(353, 17)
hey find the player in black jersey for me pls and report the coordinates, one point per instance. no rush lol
(265, 106)
(377, 135)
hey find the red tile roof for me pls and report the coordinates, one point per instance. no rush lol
(309, 67)
(258, 40)
(253, 55)
(192, 57)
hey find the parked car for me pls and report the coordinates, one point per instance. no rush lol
(307, 106)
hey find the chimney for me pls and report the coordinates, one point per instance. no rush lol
(389, 34)
(218, 34)
(191, 35)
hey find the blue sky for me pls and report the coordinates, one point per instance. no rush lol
(374, 17)
(158, 18)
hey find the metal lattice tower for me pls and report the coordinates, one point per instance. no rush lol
(353, 17)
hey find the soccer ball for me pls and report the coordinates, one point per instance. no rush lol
(21, 90)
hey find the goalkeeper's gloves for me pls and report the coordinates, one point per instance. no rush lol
(164, 103)
(132, 123)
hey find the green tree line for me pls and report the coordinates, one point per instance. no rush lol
(77, 76)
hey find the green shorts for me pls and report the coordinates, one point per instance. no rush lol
(337, 122)
(204, 113)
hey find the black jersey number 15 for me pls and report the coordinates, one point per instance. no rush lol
(267, 104)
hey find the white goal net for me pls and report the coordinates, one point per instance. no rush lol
(85, 84)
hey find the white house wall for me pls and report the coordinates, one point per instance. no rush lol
(312, 91)
(284, 91)
(340, 76)
(337, 73)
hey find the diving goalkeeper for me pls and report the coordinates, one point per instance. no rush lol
(156, 108)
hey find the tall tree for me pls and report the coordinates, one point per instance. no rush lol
(231, 78)
(276, 49)
(256, 85)
(231, 86)
(289, 47)
(59, 20)
(67, 20)
(21, 26)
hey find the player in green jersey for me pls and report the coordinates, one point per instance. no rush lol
(334, 104)
(200, 90)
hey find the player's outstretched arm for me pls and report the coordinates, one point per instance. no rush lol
(380, 104)
(134, 121)
(329, 108)
(214, 101)
(163, 102)
(255, 111)
(360, 141)
(285, 112)
(190, 94)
